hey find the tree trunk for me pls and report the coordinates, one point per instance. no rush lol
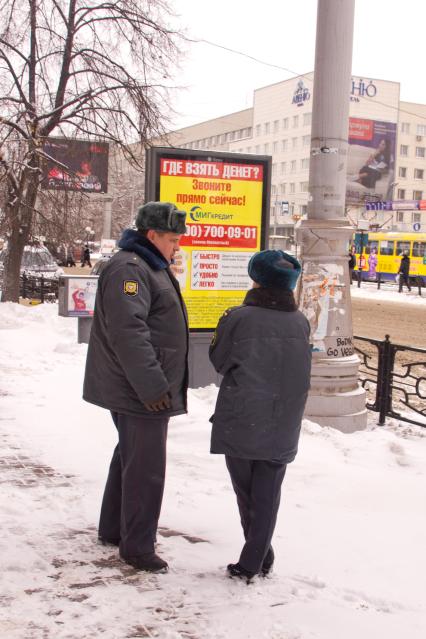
(21, 217)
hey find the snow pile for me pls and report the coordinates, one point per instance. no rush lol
(349, 540)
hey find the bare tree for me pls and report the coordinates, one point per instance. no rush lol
(75, 68)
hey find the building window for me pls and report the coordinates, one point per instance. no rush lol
(401, 194)
(275, 147)
(257, 149)
(304, 164)
(403, 149)
(400, 216)
(266, 148)
(304, 209)
(257, 130)
(285, 123)
(266, 128)
(304, 186)
(273, 189)
(306, 140)
(282, 188)
(276, 126)
(274, 168)
(292, 187)
(405, 127)
(420, 151)
(402, 171)
(283, 167)
(294, 143)
(417, 195)
(421, 129)
(249, 149)
(418, 174)
(293, 166)
(307, 119)
(284, 145)
(416, 217)
(295, 121)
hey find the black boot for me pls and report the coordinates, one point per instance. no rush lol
(237, 570)
(108, 542)
(150, 562)
(268, 562)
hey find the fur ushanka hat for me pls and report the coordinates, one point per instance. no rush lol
(160, 216)
(274, 269)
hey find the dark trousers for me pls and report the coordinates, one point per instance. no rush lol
(257, 485)
(134, 489)
(404, 279)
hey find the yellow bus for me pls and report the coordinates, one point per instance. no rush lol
(382, 253)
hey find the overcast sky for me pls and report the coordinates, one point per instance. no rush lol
(389, 38)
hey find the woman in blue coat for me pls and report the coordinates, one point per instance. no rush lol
(262, 350)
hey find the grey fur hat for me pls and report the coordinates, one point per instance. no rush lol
(160, 216)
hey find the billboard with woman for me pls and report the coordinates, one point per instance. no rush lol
(371, 160)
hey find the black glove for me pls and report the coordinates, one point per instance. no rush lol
(160, 404)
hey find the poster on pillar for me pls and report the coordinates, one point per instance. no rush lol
(226, 200)
(371, 161)
(323, 301)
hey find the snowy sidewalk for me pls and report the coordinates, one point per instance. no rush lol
(349, 539)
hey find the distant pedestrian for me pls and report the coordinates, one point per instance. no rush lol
(69, 256)
(262, 350)
(404, 271)
(352, 264)
(85, 257)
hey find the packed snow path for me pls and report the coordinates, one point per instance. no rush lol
(349, 540)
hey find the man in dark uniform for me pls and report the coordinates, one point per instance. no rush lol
(404, 272)
(262, 349)
(137, 368)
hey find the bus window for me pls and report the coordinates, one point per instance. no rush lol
(386, 247)
(372, 247)
(401, 247)
(419, 249)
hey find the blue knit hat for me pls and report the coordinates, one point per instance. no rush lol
(274, 269)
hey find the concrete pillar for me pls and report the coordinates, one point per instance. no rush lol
(107, 219)
(335, 399)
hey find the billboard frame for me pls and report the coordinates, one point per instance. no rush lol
(154, 155)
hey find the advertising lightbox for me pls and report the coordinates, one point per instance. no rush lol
(75, 165)
(226, 199)
(371, 160)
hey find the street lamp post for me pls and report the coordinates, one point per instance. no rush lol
(89, 233)
(335, 398)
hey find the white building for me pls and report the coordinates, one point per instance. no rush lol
(279, 125)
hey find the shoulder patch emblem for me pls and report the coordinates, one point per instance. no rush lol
(130, 287)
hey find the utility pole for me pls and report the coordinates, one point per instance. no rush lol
(335, 399)
(107, 218)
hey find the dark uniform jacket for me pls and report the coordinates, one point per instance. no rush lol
(404, 267)
(139, 339)
(262, 349)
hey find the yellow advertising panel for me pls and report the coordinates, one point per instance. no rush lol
(223, 201)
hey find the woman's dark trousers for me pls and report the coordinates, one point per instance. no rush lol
(257, 485)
